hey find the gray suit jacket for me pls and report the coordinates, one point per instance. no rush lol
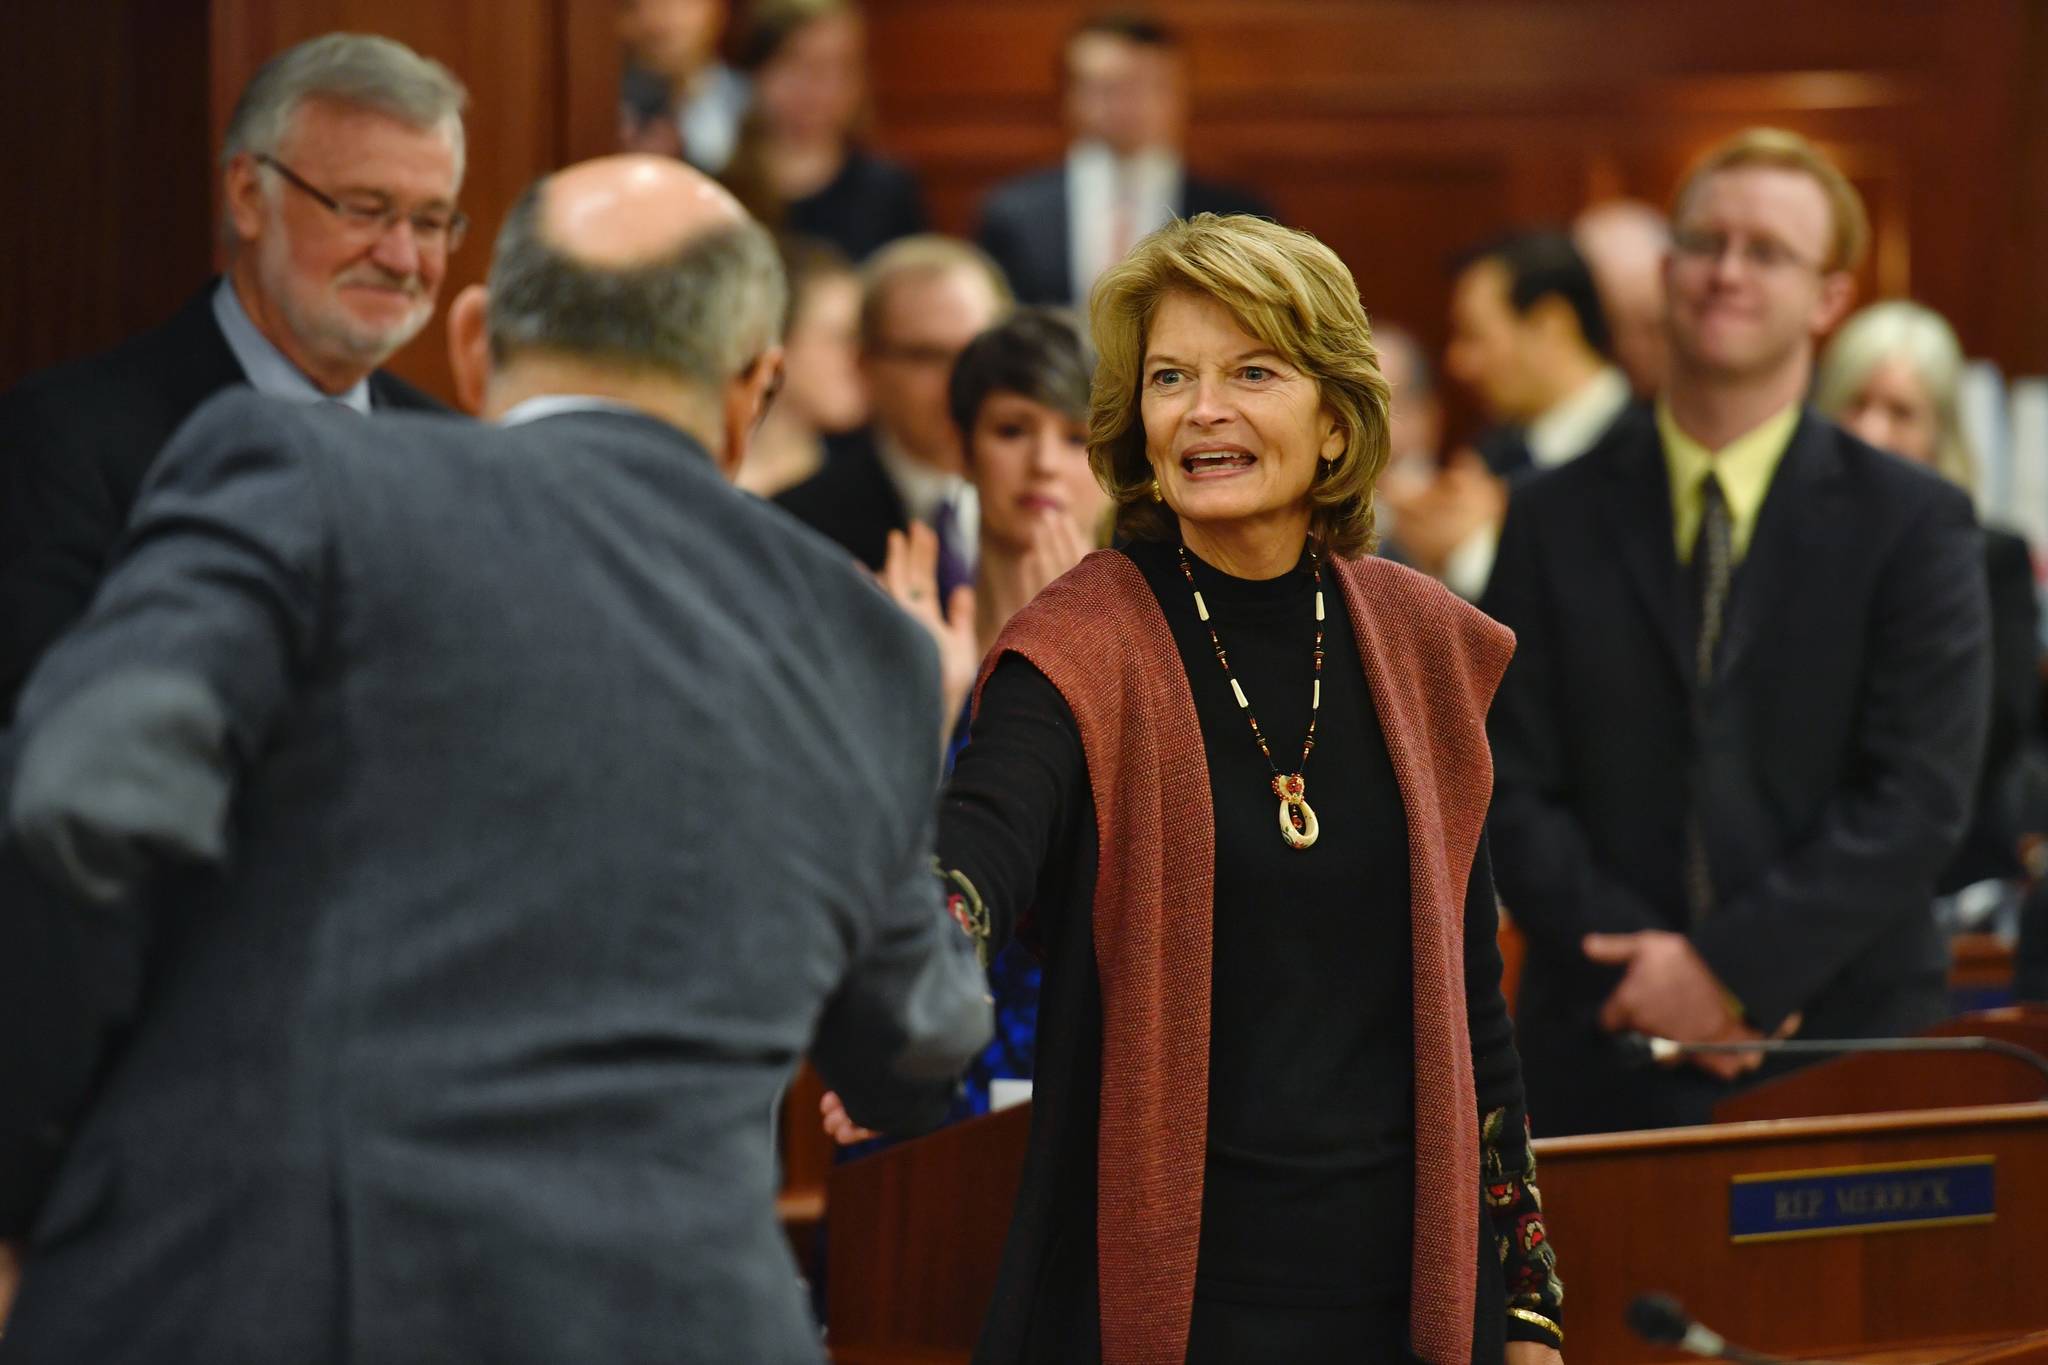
(439, 843)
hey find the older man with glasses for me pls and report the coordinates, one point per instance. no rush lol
(341, 165)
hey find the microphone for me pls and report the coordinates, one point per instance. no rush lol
(1644, 1048)
(1663, 1321)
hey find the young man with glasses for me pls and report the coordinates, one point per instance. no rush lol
(1740, 735)
(341, 166)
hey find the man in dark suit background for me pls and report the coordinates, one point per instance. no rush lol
(428, 860)
(342, 162)
(1741, 731)
(1125, 96)
(922, 300)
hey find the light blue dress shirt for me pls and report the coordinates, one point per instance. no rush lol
(269, 372)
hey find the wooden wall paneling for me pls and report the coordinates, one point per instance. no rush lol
(1942, 109)
(588, 91)
(1932, 108)
(106, 231)
(2020, 271)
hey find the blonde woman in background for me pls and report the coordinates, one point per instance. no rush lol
(1892, 376)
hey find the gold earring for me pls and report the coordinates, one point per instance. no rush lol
(1158, 494)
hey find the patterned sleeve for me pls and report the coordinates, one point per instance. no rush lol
(1535, 1303)
(1535, 1296)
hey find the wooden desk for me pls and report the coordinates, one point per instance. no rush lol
(1880, 1083)
(2031, 1349)
(918, 1229)
(917, 1236)
(1981, 962)
(1635, 1212)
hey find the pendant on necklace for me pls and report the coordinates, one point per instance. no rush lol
(1297, 817)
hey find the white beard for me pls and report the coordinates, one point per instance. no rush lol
(323, 324)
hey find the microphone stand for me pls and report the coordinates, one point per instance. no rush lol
(1670, 1049)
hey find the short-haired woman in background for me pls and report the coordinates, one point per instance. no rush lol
(1893, 376)
(1019, 395)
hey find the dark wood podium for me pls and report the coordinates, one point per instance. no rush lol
(1637, 1212)
(917, 1230)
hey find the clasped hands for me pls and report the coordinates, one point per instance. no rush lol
(1667, 990)
(10, 1277)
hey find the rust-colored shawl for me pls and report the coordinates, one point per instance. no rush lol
(1432, 663)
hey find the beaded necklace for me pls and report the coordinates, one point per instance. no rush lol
(1297, 818)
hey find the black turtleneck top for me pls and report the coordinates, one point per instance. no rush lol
(1309, 1184)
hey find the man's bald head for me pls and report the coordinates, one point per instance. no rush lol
(619, 212)
(1624, 243)
(636, 262)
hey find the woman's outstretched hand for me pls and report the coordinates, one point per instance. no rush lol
(1531, 1353)
(909, 571)
(838, 1126)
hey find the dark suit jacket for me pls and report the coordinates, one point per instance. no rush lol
(2030, 954)
(1834, 775)
(75, 443)
(1024, 226)
(851, 500)
(1990, 848)
(466, 830)
(870, 203)
(1505, 449)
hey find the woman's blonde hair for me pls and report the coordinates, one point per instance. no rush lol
(1292, 293)
(1924, 340)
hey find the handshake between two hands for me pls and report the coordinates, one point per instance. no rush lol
(1668, 991)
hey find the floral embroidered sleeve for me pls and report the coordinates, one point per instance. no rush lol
(1535, 1296)
(1535, 1303)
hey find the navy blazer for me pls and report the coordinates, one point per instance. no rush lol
(1024, 226)
(851, 501)
(75, 444)
(1834, 776)
(426, 864)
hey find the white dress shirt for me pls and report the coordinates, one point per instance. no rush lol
(1109, 195)
(924, 490)
(709, 121)
(555, 404)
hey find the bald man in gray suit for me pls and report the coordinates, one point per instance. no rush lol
(424, 867)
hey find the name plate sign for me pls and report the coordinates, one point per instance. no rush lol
(1838, 1200)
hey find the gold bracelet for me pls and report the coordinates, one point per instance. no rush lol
(1538, 1320)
